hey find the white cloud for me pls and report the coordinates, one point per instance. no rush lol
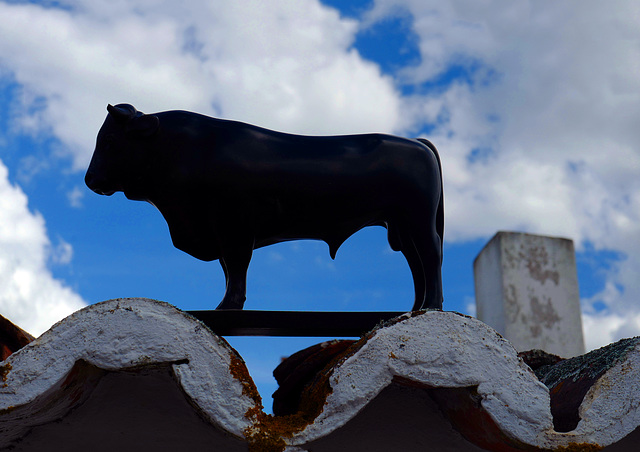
(555, 99)
(30, 166)
(29, 295)
(470, 306)
(563, 139)
(605, 328)
(553, 105)
(62, 253)
(75, 197)
(280, 64)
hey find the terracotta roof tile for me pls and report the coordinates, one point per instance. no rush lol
(425, 381)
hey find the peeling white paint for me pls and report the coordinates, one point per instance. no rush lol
(527, 289)
(120, 334)
(440, 349)
(432, 350)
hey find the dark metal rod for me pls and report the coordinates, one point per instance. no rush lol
(234, 322)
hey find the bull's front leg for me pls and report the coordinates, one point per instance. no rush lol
(236, 255)
(236, 249)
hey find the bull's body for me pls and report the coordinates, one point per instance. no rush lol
(226, 188)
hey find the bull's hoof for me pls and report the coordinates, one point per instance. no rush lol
(433, 305)
(230, 304)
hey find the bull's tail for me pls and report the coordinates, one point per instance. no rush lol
(440, 212)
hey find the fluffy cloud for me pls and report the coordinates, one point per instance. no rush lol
(29, 295)
(546, 128)
(280, 64)
(540, 133)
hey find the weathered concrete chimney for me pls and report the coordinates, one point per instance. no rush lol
(527, 290)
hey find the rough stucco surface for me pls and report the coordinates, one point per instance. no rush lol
(527, 289)
(116, 335)
(440, 350)
(425, 381)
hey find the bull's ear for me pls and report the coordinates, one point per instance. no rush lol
(122, 112)
(143, 126)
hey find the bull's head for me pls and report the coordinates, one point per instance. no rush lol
(119, 158)
(136, 123)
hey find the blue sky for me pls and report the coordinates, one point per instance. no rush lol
(535, 116)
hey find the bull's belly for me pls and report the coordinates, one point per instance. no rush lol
(331, 230)
(205, 250)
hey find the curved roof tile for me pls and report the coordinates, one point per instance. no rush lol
(425, 381)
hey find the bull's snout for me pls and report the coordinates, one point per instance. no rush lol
(95, 184)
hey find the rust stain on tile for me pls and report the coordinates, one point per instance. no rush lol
(579, 447)
(4, 371)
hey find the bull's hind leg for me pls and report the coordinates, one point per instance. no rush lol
(417, 272)
(433, 276)
(429, 249)
(423, 253)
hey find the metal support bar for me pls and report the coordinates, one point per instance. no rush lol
(234, 322)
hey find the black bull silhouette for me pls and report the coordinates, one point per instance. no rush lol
(226, 188)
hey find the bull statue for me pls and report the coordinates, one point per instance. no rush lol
(226, 188)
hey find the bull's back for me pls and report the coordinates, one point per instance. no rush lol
(329, 164)
(257, 148)
(230, 158)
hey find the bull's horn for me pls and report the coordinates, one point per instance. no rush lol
(122, 112)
